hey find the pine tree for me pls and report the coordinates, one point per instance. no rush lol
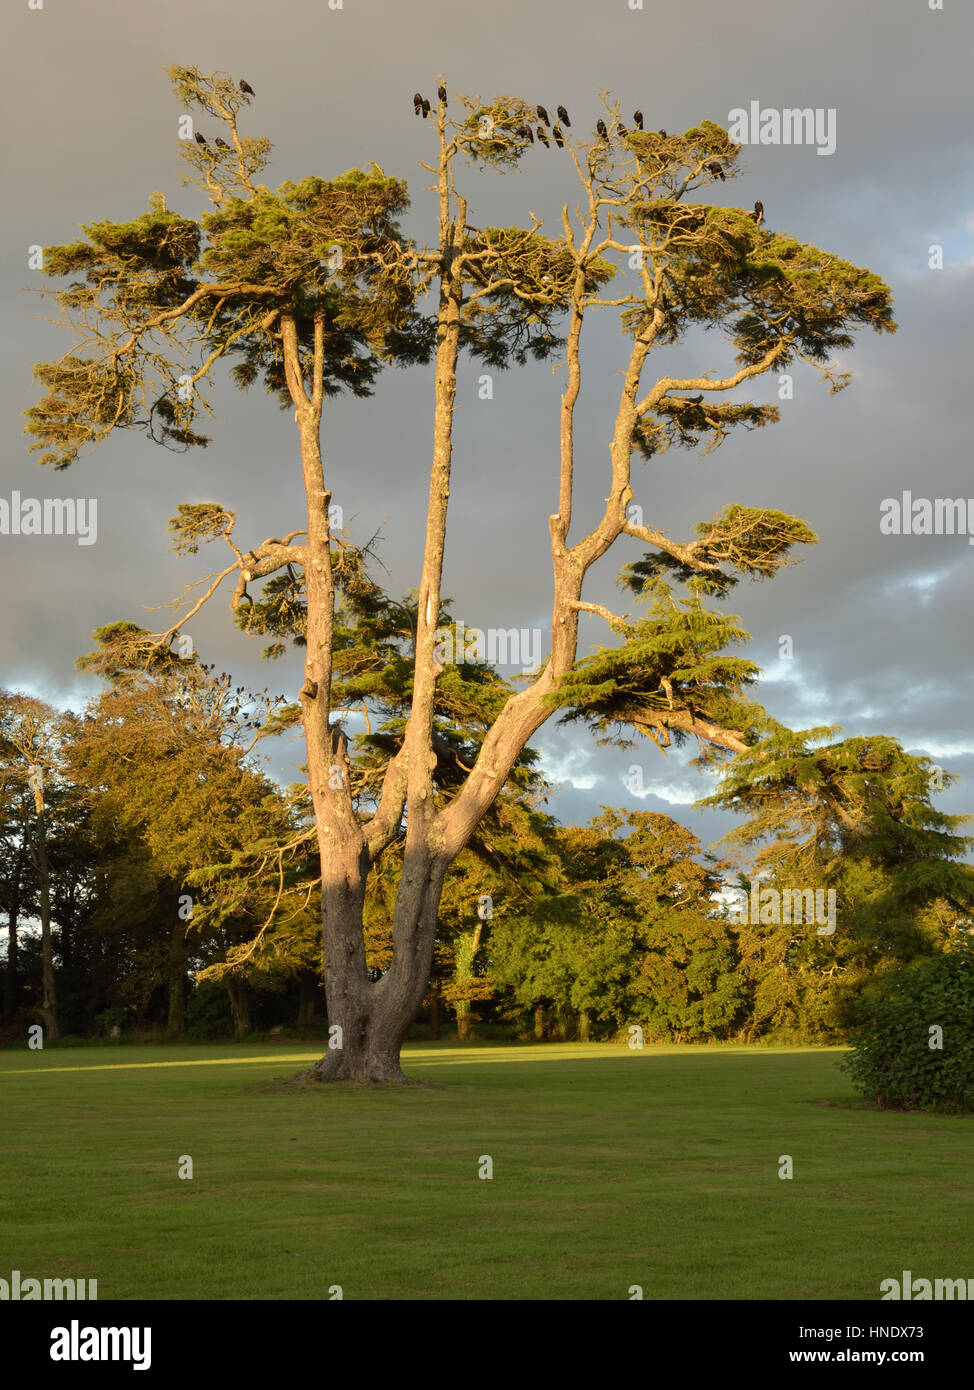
(311, 289)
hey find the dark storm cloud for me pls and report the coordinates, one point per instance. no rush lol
(877, 622)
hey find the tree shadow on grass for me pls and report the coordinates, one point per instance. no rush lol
(283, 1084)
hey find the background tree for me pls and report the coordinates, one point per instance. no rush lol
(30, 737)
(17, 880)
(163, 757)
(855, 817)
(635, 936)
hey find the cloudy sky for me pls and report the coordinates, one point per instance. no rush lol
(878, 622)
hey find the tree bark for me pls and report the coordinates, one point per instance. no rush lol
(176, 984)
(307, 1000)
(368, 1022)
(11, 984)
(49, 1000)
(239, 996)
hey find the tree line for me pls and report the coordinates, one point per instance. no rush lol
(156, 881)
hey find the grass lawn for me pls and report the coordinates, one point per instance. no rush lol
(610, 1168)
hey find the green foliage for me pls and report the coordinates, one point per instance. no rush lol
(892, 1061)
(854, 817)
(631, 936)
(671, 662)
(522, 284)
(157, 302)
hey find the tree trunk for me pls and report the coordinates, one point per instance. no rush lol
(539, 1023)
(11, 985)
(463, 1019)
(307, 1001)
(176, 984)
(239, 996)
(435, 1017)
(368, 1022)
(49, 1001)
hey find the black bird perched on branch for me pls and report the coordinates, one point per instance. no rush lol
(426, 107)
(563, 115)
(663, 135)
(543, 114)
(638, 118)
(222, 143)
(246, 87)
(717, 169)
(529, 133)
(559, 137)
(418, 103)
(200, 139)
(758, 213)
(623, 130)
(441, 93)
(600, 127)
(543, 138)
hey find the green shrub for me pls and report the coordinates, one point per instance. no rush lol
(895, 1060)
(108, 1019)
(208, 1016)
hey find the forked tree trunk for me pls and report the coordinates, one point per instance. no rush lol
(367, 1022)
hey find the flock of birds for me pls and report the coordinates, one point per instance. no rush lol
(247, 90)
(422, 107)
